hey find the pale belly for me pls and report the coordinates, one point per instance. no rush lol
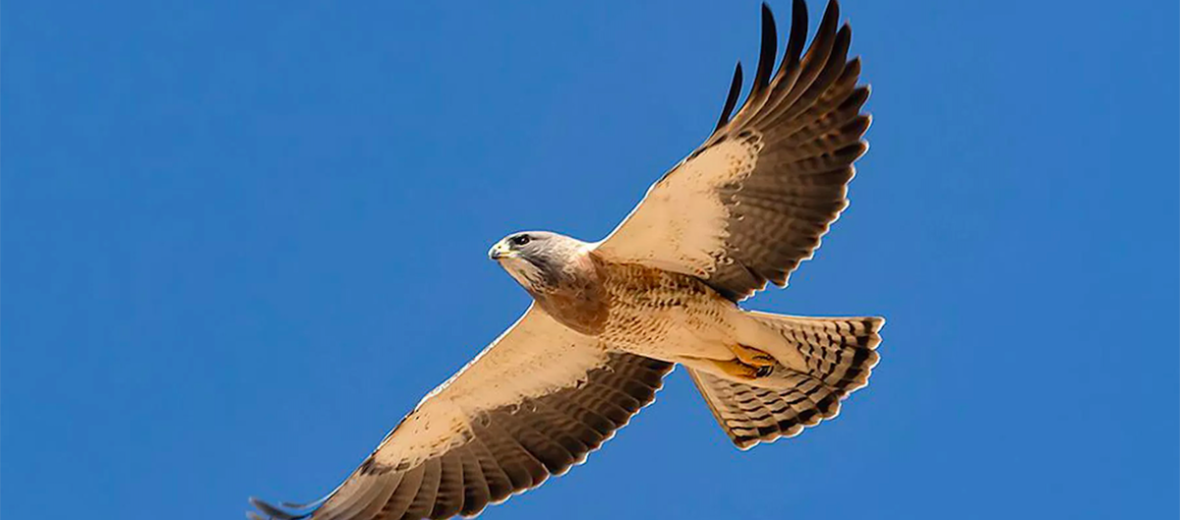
(666, 316)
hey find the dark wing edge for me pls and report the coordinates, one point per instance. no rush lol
(507, 450)
(808, 122)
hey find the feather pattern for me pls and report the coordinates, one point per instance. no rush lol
(432, 466)
(838, 356)
(754, 200)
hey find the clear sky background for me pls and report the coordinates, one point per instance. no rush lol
(241, 239)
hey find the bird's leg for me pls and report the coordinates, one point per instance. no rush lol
(734, 368)
(762, 362)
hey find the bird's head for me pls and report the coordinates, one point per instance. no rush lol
(538, 259)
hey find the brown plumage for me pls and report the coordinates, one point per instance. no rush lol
(839, 354)
(610, 319)
(790, 148)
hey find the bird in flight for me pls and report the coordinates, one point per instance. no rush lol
(610, 319)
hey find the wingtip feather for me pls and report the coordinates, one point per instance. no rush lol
(797, 37)
(768, 52)
(735, 90)
(272, 512)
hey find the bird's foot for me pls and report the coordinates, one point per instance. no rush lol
(762, 362)
(739, 370)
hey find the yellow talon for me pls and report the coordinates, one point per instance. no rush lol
(754, 357)
(737, 369)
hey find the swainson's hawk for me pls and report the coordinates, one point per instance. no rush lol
(611, 318)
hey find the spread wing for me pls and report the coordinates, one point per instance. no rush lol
(752, 202)
(532, 404)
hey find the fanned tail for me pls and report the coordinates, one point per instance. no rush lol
(839, 355)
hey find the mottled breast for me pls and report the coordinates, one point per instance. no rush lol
(631, 304)
(648, 305)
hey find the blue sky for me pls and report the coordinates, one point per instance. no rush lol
(241, 239)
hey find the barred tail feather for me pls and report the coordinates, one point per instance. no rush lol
(839, 351)
(838, 356)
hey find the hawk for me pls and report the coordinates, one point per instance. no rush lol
(610, 319)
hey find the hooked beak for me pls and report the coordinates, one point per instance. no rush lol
(500, 251)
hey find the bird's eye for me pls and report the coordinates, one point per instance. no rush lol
(520, 240)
